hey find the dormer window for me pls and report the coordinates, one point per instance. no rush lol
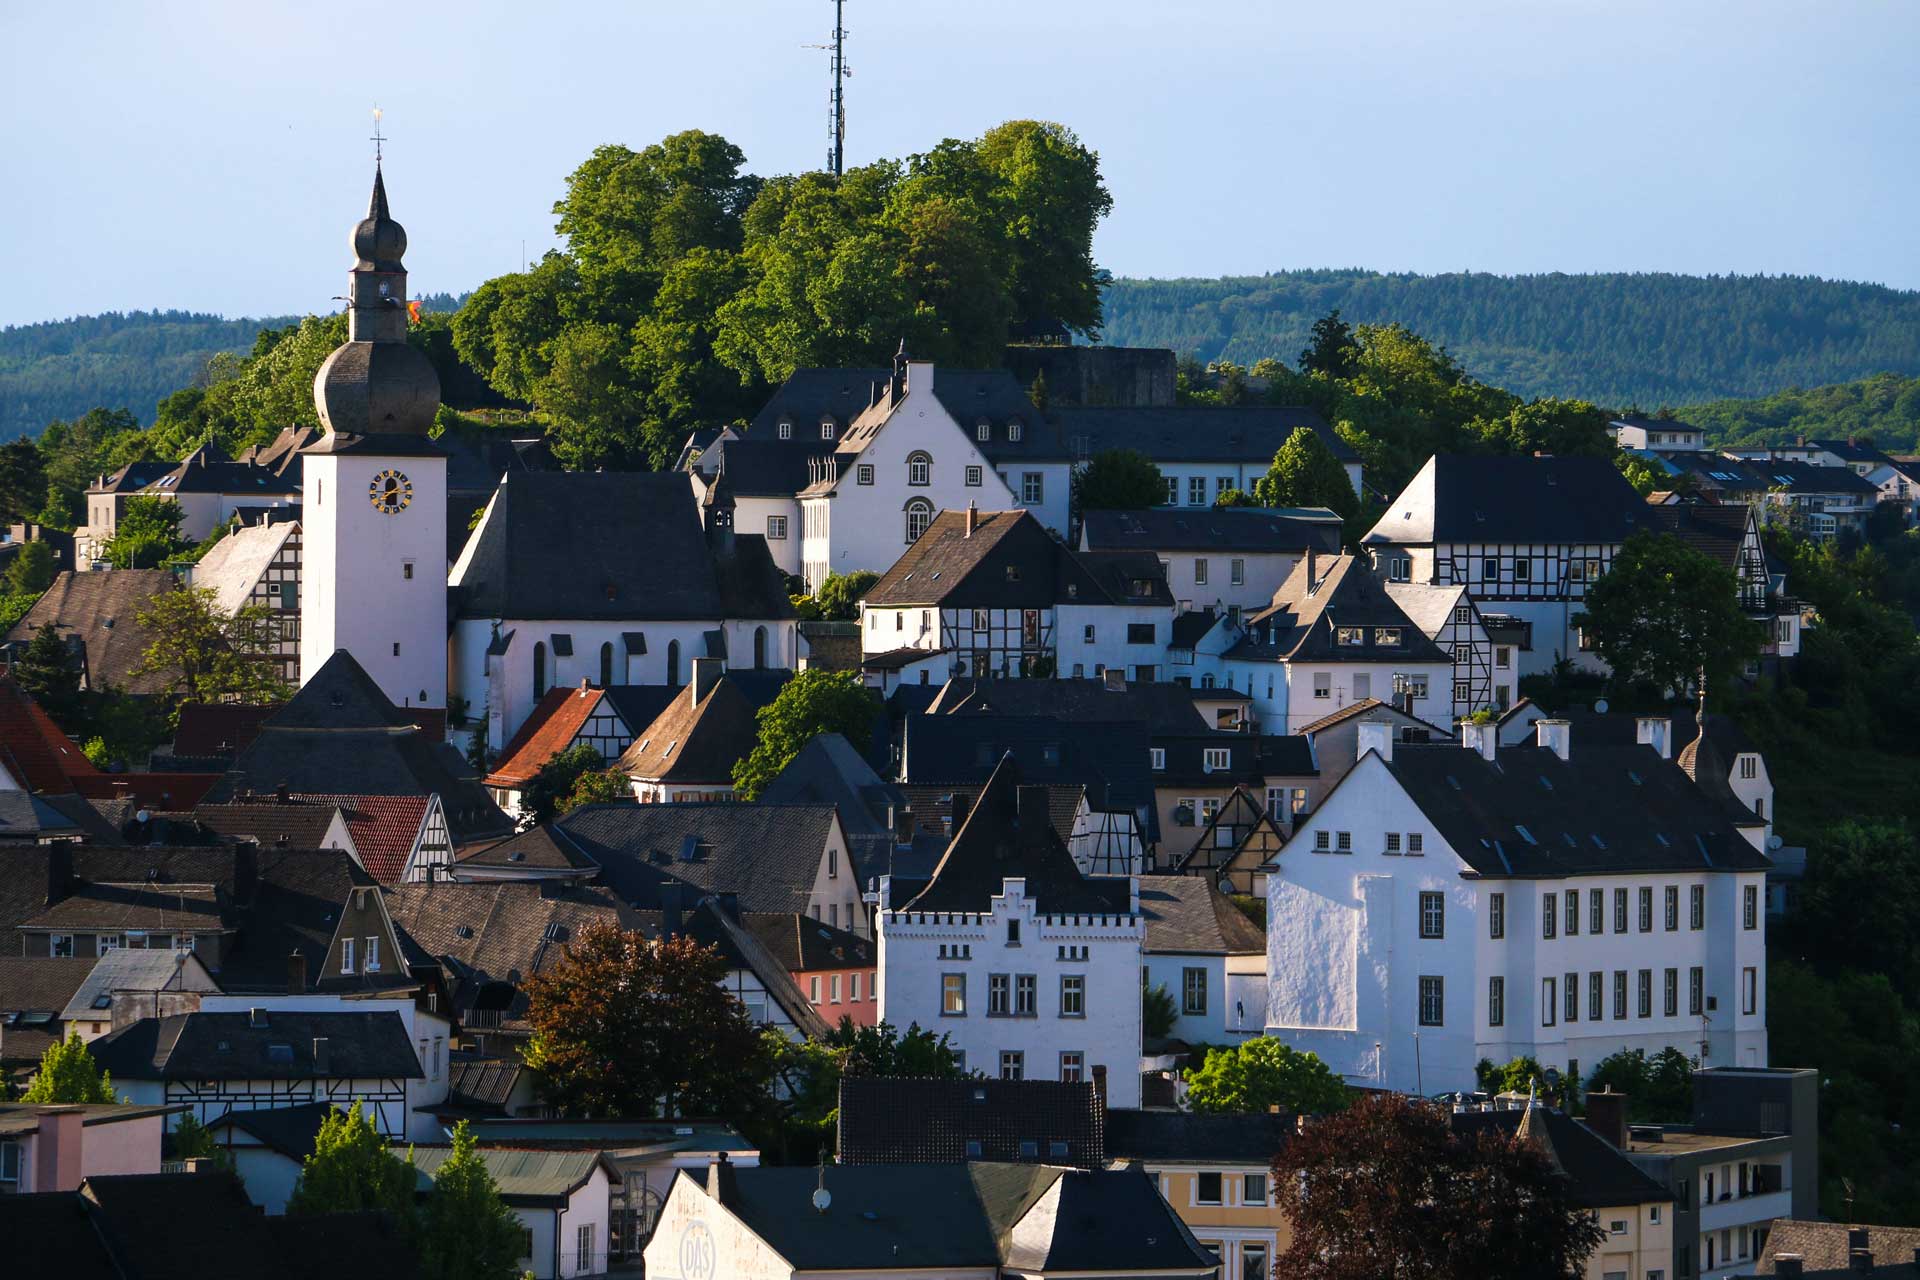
(983, 431)
(1387, 637)
(786, 430)
(1013, 430)
(1218, 759)
(1350, 635)
(826, 428)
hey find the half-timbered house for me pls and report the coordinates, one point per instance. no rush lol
(1485, 671)
(1238, 846)
(259, 565)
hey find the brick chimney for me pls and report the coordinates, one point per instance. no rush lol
(1788, 1264)
(296, 974)
(973, 518)
(59, 871)
(56, 1153)
(1607, 1116)
(1100, 1083)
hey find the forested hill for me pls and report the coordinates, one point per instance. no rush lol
(119, 360)
(1619, 340)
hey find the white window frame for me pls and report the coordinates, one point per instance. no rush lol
(346, 955)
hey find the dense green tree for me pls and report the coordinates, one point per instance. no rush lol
(1158, 1012)
(1330, 349)
(1262, 1073)
(1858, 902)
(808, 1075)
(23, 481)
(191, 1140)
(1658, 1089)
(597, 786)
(1234, 498)
(49, 672)
(1517, 1075)
(31, 570)
(209, 655)
(68, 1073)
(630, 1027)
(1306, 474)
(1664, 613)
(353, 1170)
(147, 533)
(813, 702)
(467, 1232)
(1548, 426)
(840, 593)
(1118, 480)
(1386, 1188)
(1049, 196)
(551, 789)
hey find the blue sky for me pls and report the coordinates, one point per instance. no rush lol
(212, 156)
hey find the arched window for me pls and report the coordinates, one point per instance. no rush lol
(539, 668)
(673, 662)
(919, 516)
(606, 665)
(919, 469)
(759, 648)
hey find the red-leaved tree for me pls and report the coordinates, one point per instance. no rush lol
(1385, 1190)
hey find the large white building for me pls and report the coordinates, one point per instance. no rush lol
(374, 515)
(1233, 557)
(1447, 904)
(1031, 968)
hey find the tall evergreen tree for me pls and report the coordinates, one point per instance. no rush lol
(353, 1170)
(466, 1231)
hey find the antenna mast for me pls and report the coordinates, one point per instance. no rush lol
(837, 123)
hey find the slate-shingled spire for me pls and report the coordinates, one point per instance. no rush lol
(376, 384)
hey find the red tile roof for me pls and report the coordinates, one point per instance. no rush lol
(173, 792)
(32, 748)
(384, 829)
(549, 730)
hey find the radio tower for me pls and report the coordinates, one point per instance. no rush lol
(837, 122)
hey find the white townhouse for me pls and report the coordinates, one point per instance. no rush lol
(1210, 958)
(1217, 559)
(615, 578)
(1331, 637)
(992, 593)
(1656, 435)
(209, 487)
(1447, 904)
(1486, 666)
(1032, 968)
(1201, 452)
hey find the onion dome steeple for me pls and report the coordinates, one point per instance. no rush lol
(377, 385)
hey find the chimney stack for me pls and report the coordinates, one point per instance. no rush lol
(246, 873)
(961, 804)
(59, 871)
(1655, 732)
(1858, 1238)
(296, 974)
(1484, 738)
(1032, 818)
(1376, 736)
(1311, 558)
(973, 518)
(670, 907)
(1555, 735)
(1788, 1265)
(1100, 1084)
(1860, 1260)
(1607, 1116)
(706, 674)
(720, 1179)
(56, 1155)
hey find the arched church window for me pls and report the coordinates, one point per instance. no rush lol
(539, 668)
(606, 665)
(919, 516)
(673, 662)
(759, 648)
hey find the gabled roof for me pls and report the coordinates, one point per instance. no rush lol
(1852, 449)
(1009, 834)
(1599, 1176)
(1249, 530)
(233, 567)
(535, 849)
(1428, 605)
(125, 969)
(28, 817)
(828, 770)
(811, 394)
(1386, 711)
(1163, 706)
(934, 806)
(526, 1178)
(300, 824)
(1604, 810)
(226, 1046)
(1129, 577)
(768, 467)
(1008, 561)
(1461, 498)
(1110, 759)
(560, 545)
(912, 1120)
(1188, 915)
(549, 729)
(1804, 477)
(1321, 599)
(41, 988)
(1715, 530)
(33, 751)
(765, 854)
(98, 611)
(1825, 1248)
(1185, 1137)
(695, 741)
(212, 730)
(799, 942)
(1244, 433)
(208, 469)
(1649, 423)
(289, 1131)
(384, 829)
(119, 908)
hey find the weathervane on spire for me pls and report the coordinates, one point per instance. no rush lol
(378, 138)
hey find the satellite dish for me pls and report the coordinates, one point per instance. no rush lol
(1775, 842)
(821, 1199)
(1600, 707)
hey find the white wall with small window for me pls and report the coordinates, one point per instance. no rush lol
(1287, 696)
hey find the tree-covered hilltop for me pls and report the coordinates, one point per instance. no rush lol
(59, 369)
(1621, 339)
(1884, 408)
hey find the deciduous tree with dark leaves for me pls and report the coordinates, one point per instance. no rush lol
(1664, 613)
(1385, 1190)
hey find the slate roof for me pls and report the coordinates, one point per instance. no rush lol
(42, 987)
(1429, 605)
(810, 394)
(33, 750)
(1600, 1176)
(117, 908)
(1335, 592)
(770, 467)
(949, 1216)
(340, 736)
(1460, 498)
(484, 1084)
(995, 844)
(933, 806)
(1252, 757)
(1250, 530)
(234, 565)
(767, 855)
(1165, 707)
(1246, 433)
(1852, 449)
(1009, 561)
(222, 1046)
(799, 942)
(911, 1120)
(549, 729)
(1353, 709)
(290, 1131)
(208, 469)
(24, 816)
(126, 969)
(1110, 759)
(217, 730)
(828, 770)
(1603, 811)
(1184, 1137)
(52, 1234)
(535, 849)
(98, 611)
(1129, 577)
(695, 742)
(301, 824)
(1717, 531)
(296, 907)
(1823, 1247)
(1187, 915)
(560, 545)
(1804, 477)
(1651, 423)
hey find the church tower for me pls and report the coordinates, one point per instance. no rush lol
(374, 490)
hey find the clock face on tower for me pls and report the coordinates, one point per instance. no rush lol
(390, 492)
